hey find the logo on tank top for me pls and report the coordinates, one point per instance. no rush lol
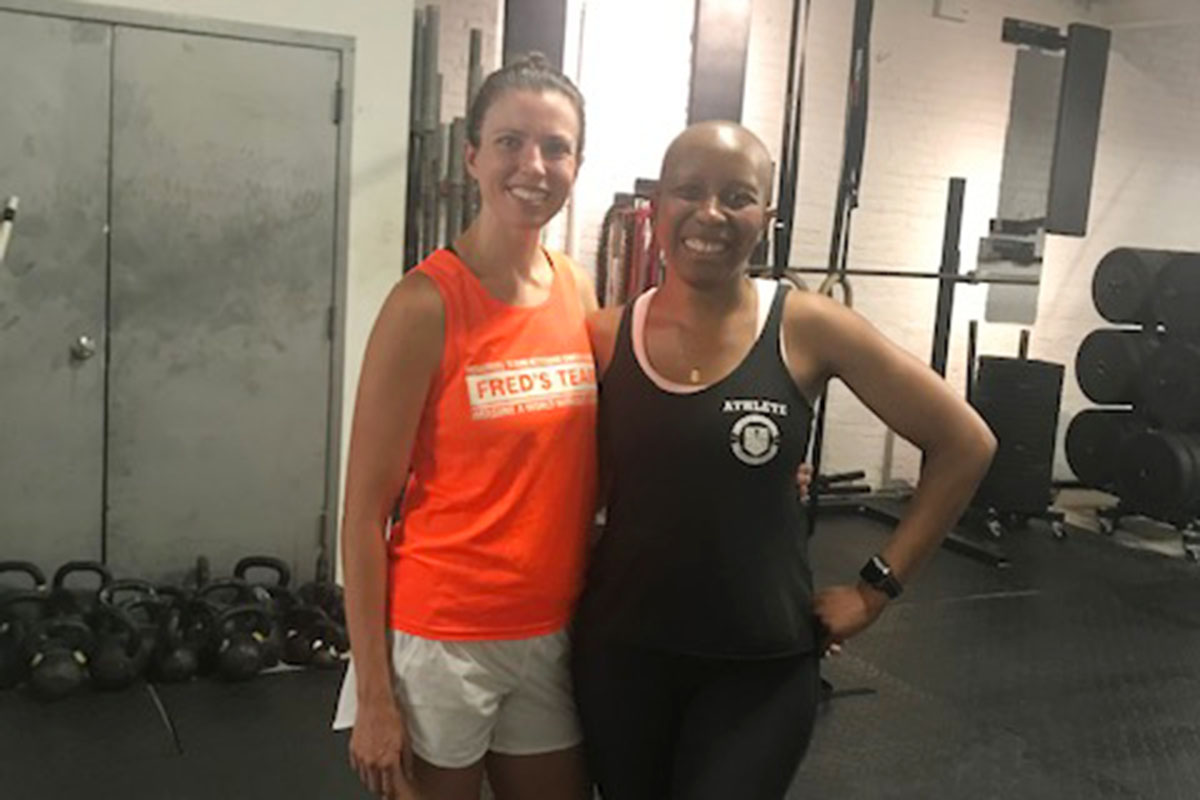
(521, 386)
(754, 437)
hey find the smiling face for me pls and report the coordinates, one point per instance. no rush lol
(527, 157)
(711, 206)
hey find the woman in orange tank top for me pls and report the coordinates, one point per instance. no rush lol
(476, 404)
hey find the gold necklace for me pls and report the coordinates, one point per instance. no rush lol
(685, 357)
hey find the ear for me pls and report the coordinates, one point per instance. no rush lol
(470, 153)
(769, 216)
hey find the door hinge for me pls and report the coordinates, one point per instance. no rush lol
(330, 322)
(339, 102)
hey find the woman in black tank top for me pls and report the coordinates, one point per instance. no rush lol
(698, 635)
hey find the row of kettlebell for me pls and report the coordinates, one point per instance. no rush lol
(57, 639)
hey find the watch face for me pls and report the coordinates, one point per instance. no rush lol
(878, 574)
(873, 571)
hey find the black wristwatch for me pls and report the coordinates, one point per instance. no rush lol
(877, 574)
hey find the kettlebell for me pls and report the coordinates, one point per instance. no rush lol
(117, 647)
(37, 578)
(227, 593)
(146, 613)
(241, 631)
(304, 629)
(140, 599)
(199, 624)
(16, 621)
(222, 595)
(70, 602)
(172, 594)
(327, 596)
(125, 591)
(282, 575)
(275, 595)
(58, 666)
(175, 658)
(326, 645)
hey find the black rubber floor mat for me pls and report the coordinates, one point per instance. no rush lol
(269, 737)
(1090, 655)
(77, 745)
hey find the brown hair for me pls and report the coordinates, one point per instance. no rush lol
(530, 72)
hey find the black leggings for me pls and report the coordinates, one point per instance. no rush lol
(662, 725)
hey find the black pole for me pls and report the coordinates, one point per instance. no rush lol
(855, 140)
(789, 158)
(854, 148)
(972, 342)
(970, 277)
(949, 267)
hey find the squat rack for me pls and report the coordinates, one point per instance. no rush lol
(837, 272)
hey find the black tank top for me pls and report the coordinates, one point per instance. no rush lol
(703, 551)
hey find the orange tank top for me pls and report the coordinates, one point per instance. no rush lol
(494, 523)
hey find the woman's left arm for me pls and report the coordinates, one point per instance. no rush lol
(916, 403)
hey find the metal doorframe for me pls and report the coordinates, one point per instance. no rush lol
(344, 46)
(180, 23)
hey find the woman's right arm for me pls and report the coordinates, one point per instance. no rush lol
(402, 355)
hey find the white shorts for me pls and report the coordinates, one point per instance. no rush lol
(463, 699)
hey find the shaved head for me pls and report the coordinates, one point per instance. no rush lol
(714, 138)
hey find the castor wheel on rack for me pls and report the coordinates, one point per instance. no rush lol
(1191, 542)
(1108, 526)
(1058, 529)
(995, 527)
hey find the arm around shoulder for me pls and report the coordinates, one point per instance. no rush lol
(602, 328)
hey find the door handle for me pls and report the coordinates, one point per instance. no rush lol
(7, 219)
(83, 348)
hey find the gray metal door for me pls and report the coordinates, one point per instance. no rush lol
(222, 272)
(54, 113)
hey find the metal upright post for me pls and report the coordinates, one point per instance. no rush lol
(412, 215)
(949, 266)
(455, 180)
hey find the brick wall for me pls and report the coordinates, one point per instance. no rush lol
(457, 18)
